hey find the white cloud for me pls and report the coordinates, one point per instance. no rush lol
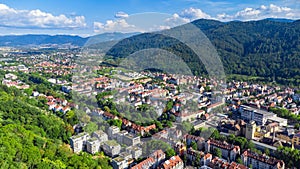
(175, 20)
(248, 13)
(262, 12)
(157, 21)
(121, 15)
(119, 25)
(183, 17)
(278, 9)
(10, 17)
(194, 13)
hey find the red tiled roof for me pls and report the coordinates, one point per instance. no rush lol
(263, 158)
(144, 164)
(223, 145)
(158, 154)
(173, 161)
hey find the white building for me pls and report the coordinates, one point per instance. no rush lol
(100, 135)
(78, 142)
(111, 148)
(120, 135)
(11, 76)
(135, 151)
(131, 140)
(112, 131)
(93, 145)
(119, 163)
(260, 116)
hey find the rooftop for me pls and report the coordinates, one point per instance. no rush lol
(118, 159)
(173, 161)
(131, 136)
(111, 143)
(100, 132)
(134, 148)
(259, 111)
(223, 145)
(263, 158)
(79, 135)
(92, 139)
(144, 164)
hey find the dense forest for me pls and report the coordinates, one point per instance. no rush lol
(31, 137)
(267, 48)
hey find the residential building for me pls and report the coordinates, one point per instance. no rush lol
(279, 120)
(119, 163)
(200, 141)
(92, 145)
(10, 76)
(180, 148)
(135, 151)
(174, 162)
(148, 163)
(235, 127)
(218, 163)
(259, 161)
(215, 105)
(229, 151)
(188, 116)
(78, 142)
(290, 138)
(112, 131)
(111, 148)
(131, 140)
(100, 135)
(122, 161)
(257, 115)
(159, 156)
(192, 155)
(174, 133)
(125, 155)
(120, 136)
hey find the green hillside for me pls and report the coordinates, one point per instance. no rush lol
(265, 48)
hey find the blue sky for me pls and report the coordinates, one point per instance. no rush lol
(83, 17)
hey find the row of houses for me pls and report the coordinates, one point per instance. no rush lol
(158, 160)
(249, 158)
(229, 151)
(10, 80)
(229, 154)
(57, 104)
(129, 125)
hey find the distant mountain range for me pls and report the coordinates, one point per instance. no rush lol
(36, 40)
(280, 19)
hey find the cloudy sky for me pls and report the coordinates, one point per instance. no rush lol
(84, 18)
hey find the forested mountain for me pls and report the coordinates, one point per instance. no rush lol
(266, 48)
